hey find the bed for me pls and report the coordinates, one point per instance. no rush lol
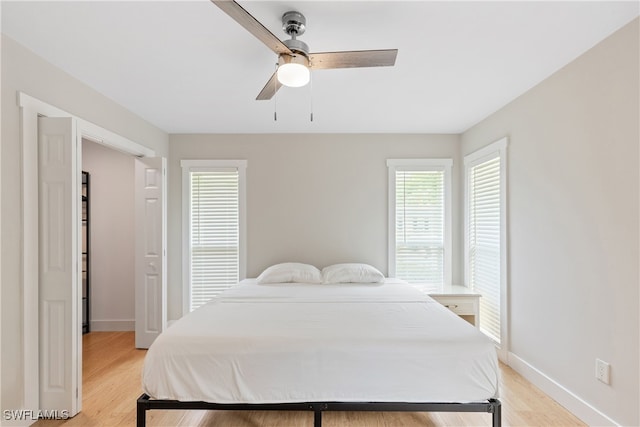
(319, 347)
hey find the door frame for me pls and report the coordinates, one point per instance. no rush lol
(30, 109)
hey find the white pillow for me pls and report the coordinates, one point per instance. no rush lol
(289, 272)
(351, 273)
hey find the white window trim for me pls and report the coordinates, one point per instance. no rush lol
(445, 165)
(495, 149)
(189, 166)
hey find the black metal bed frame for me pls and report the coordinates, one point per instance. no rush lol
(492, 406)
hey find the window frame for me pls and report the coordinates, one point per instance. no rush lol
(205, 165)
(435, 164)
(482, 155)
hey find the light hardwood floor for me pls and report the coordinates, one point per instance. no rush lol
(111, 385)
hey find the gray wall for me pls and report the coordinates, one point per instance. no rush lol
(573, 223)
(112, 225)
(319, 198)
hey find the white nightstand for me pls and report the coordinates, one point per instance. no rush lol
(462, 301)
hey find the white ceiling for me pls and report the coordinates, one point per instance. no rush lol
(187, 67)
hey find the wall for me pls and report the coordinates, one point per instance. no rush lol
(573, 228)
(24, 71)
(315, 198)
(112, 231)
(1, 394)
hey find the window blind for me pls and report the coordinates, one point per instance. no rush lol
(214, 242)
(484, 242)
(419, 227)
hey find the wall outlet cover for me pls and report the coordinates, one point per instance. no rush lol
(603, 371)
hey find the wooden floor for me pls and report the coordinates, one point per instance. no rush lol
(111, 385)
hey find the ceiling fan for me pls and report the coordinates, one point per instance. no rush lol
(294, 59)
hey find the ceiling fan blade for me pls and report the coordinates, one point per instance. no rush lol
(269, 89)
(251, 24)
(352, 59)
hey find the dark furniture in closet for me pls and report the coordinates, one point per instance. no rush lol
(86, 265)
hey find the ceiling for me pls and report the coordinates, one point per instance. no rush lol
(187, 67)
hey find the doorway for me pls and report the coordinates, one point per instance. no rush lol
(111, 278)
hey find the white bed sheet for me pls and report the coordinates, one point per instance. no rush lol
(321, 342)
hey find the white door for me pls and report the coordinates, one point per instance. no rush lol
(151, 289)
(59, 265)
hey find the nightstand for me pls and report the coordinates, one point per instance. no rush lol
(462, 301)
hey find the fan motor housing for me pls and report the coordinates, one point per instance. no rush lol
(297, 46)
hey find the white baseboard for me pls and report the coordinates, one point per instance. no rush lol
(16, 423)
(113, 325)
(575, 404)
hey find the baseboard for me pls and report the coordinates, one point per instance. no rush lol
(16, 423)
(573, 403)
(113, 325)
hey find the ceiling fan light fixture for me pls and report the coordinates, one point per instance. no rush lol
(293, 70)
(293, 75)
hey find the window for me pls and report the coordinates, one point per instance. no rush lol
(485, 244)
(214, 228)
(420, 221)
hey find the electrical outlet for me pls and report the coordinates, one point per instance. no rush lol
(603, 371)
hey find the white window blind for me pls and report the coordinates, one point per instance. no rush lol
(484, 241)
(214, 234)
(420, 235)
(420, 227)
(213, 215)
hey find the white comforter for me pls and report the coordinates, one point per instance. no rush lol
(302, 343)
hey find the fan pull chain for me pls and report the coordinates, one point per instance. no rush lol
(275, 97)
(311, 95)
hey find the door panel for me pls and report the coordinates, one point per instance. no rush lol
(60, 362)
(151, 289)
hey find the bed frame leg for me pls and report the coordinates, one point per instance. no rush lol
(317, 418)
(141, 418)
(141, 411)
(497, 413)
